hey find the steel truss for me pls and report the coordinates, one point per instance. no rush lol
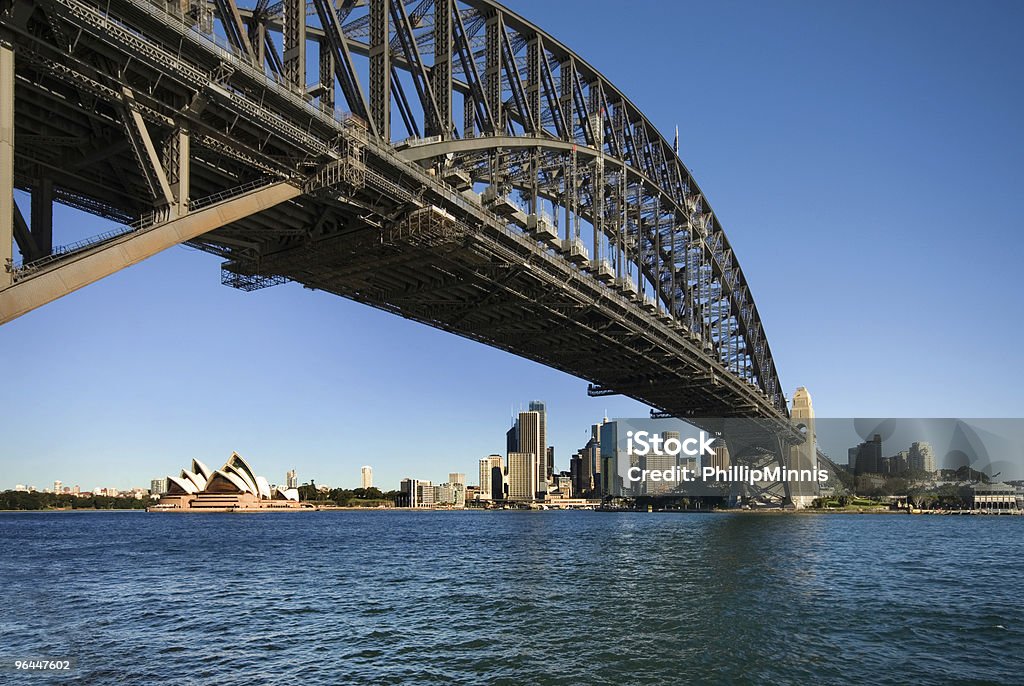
(549, 217)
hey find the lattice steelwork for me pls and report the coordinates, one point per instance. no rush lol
(516, 196)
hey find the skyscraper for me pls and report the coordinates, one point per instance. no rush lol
(408, 493)
(425, 493)
(662, 462)
(869, 456)
(291, 479)
(544, 467)
(922, 457)
(457, 478)
(721, 458)
(498, 485)
(611, 482)
(530, 444)
(512, 438)
(522, 475)
(487, 466)
(367, 476)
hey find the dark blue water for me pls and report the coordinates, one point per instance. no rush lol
(512, 598)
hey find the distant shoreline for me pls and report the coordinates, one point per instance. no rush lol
(414, 510)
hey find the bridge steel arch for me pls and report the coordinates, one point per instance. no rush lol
(454, 164)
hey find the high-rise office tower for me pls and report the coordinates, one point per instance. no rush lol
(512, 438)
(869, 456)
(576, 472)
(457, 478)
(922, 457)
(425, 494)
(487, 465)
(551, 462)
(530, 443)
(408, 493)
(367, 476)
(901, 462)
(662, 462)
(291, 479)
(608, 446)
(498, 490)
(543, 465)
(522, 475)
(721, 459)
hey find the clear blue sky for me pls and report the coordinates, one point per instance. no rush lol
(864, 157)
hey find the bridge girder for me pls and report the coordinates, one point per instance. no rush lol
(540, 126)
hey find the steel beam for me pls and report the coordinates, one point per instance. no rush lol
(6, 161)
(42, 217)
(294, 31)
(380, 67)
(145, 152)
(78, 271)
(441, 74)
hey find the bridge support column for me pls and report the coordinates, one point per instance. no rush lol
(177, 168)
(79, 270)
(42, 217)
(6, 162)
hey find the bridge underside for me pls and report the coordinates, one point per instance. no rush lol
(121, 110)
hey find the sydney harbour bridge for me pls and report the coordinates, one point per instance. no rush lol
(444, 160)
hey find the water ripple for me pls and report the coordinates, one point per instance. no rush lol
(512, 598)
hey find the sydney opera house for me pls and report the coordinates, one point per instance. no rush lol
(234, 487)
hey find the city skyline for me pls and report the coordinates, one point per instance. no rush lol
(120, 390)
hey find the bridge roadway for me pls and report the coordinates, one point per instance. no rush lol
(127, 109)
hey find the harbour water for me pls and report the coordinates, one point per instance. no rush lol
(512, 598)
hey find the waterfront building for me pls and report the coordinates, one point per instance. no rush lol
(530, 443)
(662, 462)
(407, 493)
(721, 459)
(921, 457)
(900, 462)
(366, 474)
(595, 457)
(868, 459)
(457, 478)
(425, 494)
(499, 482)
(564, 485)
(576, 470)
(522, 475)
(998, 497)
(512, 438)
(545, 468)
(158, 486)
(451, 494)
(235, 486)
(485, 482)
(611, 482)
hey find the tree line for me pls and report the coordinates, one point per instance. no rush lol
(347, 497)
(35, 500)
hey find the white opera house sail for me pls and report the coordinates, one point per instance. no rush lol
(233, 487)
